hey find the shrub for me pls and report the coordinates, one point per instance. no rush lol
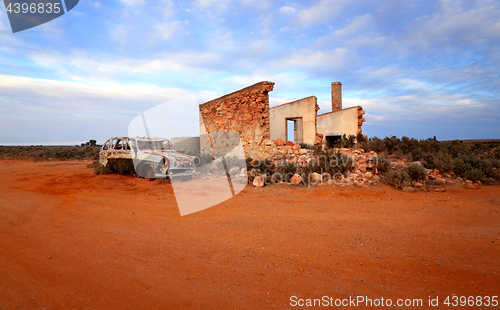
(391, 144)
(382, 164)
(474, 175)
(496, 153)
(374, 144)
(331, 162)
(416, 172)
(397, 178)
(360, 138)
(287, 168)
(264, 166)
(442, 161)
(459, 166)
(305, 146)
(347, 141)
(98, 168)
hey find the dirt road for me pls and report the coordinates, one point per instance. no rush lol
(72, 240)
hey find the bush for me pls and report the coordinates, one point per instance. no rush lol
(459, 166)
(374, 144)
(49, 152)
(442, 161)
(98, 168)
(306, 146)
(416, 172)
(382, 164)
(360, 138)
(496, 153)
(473, 175)
(263, 166)
(397, 178)
(348, 142)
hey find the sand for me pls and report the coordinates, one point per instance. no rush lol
(73, 240)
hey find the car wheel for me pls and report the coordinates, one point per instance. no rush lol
(148, 173)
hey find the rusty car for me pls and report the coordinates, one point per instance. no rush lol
(148, 157)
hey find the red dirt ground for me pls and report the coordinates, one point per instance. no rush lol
(70, 239)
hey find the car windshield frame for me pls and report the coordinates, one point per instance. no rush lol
(151, 144)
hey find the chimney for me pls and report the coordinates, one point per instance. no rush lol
(336, 96)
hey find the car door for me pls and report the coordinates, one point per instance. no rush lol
(104, 153)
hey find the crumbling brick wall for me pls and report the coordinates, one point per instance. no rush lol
(245, 112)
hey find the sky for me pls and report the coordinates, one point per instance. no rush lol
(418, 68)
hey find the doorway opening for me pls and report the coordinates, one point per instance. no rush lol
(294, 130)
(331, 141)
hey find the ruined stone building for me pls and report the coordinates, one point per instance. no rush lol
(247, 113)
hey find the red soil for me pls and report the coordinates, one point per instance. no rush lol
(70, 239)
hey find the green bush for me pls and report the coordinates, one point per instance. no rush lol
(459, 166)
(374, 144)
(382, 164)
(306, 146)
(49, 152)
(397, 178)
(474, 175)
(441, 161)
(360, 138)
(496, 153)
(416, 172)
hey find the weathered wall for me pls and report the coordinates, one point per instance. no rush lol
(305, 108)
(346, 121)
(245, 112)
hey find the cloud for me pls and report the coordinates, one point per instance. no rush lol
(287, 10)
(393, 57)
(96, 4)
(47, 110)
(89, 90)
(317, 60)
(211, 7)
(165, 30)
(453, 25)
(119, 34)
(322, 11)
(132, 2)
(167, 8)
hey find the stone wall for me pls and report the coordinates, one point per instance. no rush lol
(245, 112)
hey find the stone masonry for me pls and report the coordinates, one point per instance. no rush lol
(336, 96)
(245, 112)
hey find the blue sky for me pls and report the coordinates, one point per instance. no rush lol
(418, 68)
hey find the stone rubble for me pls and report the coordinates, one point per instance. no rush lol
(363, 168)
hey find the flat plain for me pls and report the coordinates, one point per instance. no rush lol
(74, 240)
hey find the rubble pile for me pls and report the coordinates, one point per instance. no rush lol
(360, 169)
(363, 166)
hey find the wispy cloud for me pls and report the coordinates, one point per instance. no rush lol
(402, 60)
